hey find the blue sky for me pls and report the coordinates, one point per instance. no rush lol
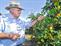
(28, 5)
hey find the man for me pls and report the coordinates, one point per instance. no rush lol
(12, 28)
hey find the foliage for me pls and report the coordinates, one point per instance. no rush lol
(48, 31)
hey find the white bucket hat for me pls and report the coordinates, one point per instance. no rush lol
(14, 5)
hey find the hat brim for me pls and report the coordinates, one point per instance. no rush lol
(8, 8)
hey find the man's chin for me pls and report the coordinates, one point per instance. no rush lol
(17, 16)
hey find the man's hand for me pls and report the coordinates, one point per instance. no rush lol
(40, 18)
(14, 36)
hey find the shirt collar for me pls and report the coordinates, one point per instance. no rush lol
(17, 20)
(12, 17)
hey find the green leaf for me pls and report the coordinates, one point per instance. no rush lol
(52, 11)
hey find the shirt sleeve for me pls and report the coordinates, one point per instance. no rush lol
(28, 24)
(1, 24)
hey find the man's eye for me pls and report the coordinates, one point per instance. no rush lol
(18, 10)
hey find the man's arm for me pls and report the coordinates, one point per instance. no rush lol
(39, 19)
(4, 35)
(9, 36)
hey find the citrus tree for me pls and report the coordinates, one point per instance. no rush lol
(48, 31)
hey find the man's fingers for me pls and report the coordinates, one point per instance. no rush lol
(15, 36)
(40, 17)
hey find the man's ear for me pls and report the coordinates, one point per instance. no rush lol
(11, 10)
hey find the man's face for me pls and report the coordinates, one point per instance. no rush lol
(15, 12)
